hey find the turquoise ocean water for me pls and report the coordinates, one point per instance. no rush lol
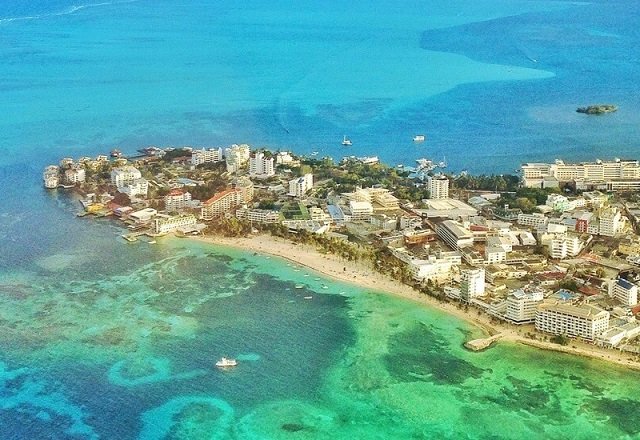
(100, 339)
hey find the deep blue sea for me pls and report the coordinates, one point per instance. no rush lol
(101, 339)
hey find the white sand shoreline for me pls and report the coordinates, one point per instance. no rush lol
(360, 275)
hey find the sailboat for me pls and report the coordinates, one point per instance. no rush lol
(443, 164)
(346, 141)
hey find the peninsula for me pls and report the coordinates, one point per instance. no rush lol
(548, 258)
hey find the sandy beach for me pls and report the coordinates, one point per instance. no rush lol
(364, 276)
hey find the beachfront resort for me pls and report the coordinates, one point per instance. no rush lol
(552, 254)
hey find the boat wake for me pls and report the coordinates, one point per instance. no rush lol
(71, 10)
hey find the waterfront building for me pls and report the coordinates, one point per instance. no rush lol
(74, 175)
(584, 321)
(616, 175)
(163, 224)
(144, 215)
(299, 186)
(177, 200)
(522, 306)
(66, 162)
(122, 176)
(624, 291)
(221, 203)
(360, 210)
(211, 155)
(266, 216)
(454, 234)
(432, 268)
(438, 187)
(261, 166)
(472, 284)
(236, 156)
(51, 176)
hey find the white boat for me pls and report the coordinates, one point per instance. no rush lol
(346, 141)
(419, 138)
(425, 164)
(226, 362)
(314, 153)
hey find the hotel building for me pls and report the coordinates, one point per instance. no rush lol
(261, 166)
(205, 156)
(471, 284)
(582, 321)
(438, 187)
(221, 203)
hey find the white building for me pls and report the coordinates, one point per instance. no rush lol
(177, 200)
(502, 241)
(144, 215)
(616, 175)
(122, 176)
(360, 210)
(584, 321)
(522, 306)
(51, 176)
(494, 254)
(432, 269)
(138, 187)
(74, 175)
(285, 158)
(261, 166)
(624, 291)
(205, 156)
(438, 187)
(165, 224)
(610, 222)
(236, 156)
(562, 247)
(221, 203)
(471, 284)
(454, 234)
(299, 186)
(258, 215)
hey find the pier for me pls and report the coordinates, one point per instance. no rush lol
(481, 344)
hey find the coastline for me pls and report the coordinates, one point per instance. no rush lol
(362, 276)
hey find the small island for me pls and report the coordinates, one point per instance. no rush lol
(597, 109)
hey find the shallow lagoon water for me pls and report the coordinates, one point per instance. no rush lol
(120, 356)
(102, 339)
